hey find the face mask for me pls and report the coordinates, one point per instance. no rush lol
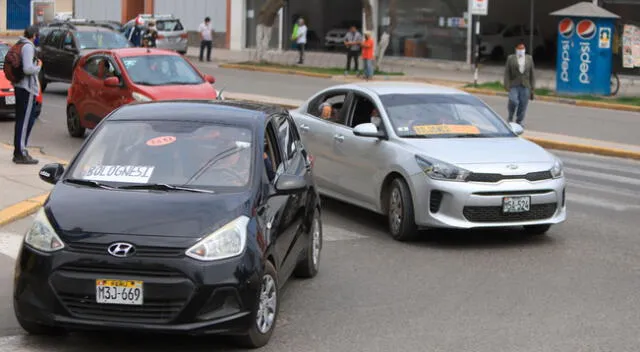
(520, 52)
(376, 121)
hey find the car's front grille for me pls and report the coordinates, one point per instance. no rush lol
(151, 311)
(495, 214)
(493, 178)
(141, 251)
(435, 199)
(122, 270)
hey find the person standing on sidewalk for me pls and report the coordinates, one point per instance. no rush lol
(520, 82)
(368, 48)
(301, 39)
(27, 89)
(352, 41)
(206, 38)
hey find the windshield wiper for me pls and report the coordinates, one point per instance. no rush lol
(166, 187)
(146, 83)
(182, 83)
(465, 135)
(90, 183)
(416, 136)
(225, 154)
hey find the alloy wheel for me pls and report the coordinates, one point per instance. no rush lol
(395, 210)
(315, 254)
(268, 304)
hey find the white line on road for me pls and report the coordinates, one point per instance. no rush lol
(602, 176)
(603, 166)
(592, 186)
(332, 233)
(10, 244)
(600, 203)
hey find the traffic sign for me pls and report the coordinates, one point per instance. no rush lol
(480, 7)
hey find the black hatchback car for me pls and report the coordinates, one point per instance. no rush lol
(65, 43)
(174, 217)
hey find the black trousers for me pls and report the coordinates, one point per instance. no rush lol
(206, 44)
(355, 55)
(301, 51)
(26, 113)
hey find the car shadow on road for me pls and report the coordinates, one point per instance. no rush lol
(375, 225)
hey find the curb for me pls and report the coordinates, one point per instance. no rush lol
(480, 91)
(22, 209)
(584, 148)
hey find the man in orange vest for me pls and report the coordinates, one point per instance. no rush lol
(368, 48)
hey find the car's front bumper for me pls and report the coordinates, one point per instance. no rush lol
(176, 44)
(181, 295)
(7, 103)
(467, 205)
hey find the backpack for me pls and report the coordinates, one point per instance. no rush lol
(13, 64)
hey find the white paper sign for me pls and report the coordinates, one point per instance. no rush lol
(480, 7)
(119, 173)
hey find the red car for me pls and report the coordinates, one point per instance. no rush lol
(104, 80)
(7, 94)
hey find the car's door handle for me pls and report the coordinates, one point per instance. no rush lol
(304, 128)
(338, 137)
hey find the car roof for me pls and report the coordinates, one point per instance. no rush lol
(400, 87)
(230, 112)
(90, 28)
(126, 52)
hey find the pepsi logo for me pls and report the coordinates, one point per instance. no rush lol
(565, 28)
(586, 29)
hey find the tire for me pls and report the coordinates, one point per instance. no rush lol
(615, 84)
(308, 266)
(256, 337)
(43, 81)
(400, 214)
(182, 52)
(37, 329)
(73, 123)
(537, 230)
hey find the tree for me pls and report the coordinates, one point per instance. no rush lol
(266, 19)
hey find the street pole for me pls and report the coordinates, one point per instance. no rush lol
(532, 27)
(477, 51)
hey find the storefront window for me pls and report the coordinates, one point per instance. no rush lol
(434, 29)
(251, 20)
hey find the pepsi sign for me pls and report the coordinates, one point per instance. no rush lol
(586, 29)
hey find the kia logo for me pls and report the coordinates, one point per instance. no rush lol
(565, 28)
(586, 29)
(512, 166)
(121, 250)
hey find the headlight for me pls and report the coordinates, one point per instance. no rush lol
(140, 97)
(42, 236)
(228, 241)
(556, 170)
(439, 170)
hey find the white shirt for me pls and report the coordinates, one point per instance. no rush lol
(302, 35)
(205, 30)
(521, 62)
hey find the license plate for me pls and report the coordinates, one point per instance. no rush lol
(10, 100)
(516, 204)
(128, 292)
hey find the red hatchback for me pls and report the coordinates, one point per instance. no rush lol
(104, 80)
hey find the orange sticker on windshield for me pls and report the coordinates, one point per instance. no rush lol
(446, 129)
(160, 141)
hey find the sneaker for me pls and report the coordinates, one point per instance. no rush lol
(25, 160)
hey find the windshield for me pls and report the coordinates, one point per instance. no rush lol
(176, 153)
(4, 49)
(442, 116)
(101, 40)
(169, 25)
(157, 70)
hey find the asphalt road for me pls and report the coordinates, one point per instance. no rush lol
(573, 290)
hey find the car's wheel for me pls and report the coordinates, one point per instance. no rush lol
(38, 329)
(536, 230)
(43, 81)
(266, 311)
(310, 263)
(400, 214)
(73, 123)
(182, 52)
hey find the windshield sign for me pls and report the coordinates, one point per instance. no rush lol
(158, 70)
(442, 116)
(181, 154)
(101, 40)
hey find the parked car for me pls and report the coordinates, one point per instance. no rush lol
(499, 40)
(7, 94)
(195, 245)
(335, 38)
(104, 80)
(431, 157)
(64, 45)
(171, 33)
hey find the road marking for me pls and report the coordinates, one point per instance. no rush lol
(10, 244)
(603, 166)
(599, 202)
(602, 176)
(592, 186)
(332, 234)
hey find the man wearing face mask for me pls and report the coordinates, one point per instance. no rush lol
(375, 118)
(519, 81)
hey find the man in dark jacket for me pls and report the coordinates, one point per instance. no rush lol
(520, 82)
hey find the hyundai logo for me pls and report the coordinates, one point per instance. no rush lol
(121, 250)
(512, 166)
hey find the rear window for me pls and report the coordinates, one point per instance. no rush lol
(169, 25)
(101, 39)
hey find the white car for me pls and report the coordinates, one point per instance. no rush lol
(435, 157)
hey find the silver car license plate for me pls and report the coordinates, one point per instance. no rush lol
(516, 204)
(10, 100)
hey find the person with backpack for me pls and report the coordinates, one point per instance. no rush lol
(21, 67)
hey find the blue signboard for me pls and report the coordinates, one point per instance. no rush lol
(18, 14)
(584, 55)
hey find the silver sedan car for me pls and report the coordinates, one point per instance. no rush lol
(429, 157)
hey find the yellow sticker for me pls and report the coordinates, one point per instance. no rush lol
(119, 283)
(445, 129)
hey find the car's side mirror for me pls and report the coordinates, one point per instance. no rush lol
(112, 82)
(287, 184)
(210, 79)
(516, 128)
(367, 130)
(69, 47)
(51, 173)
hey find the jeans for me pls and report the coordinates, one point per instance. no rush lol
(205, 44)
(368, 68)
(301, 51)
(355, 56)
(25, 118)
(518, 102)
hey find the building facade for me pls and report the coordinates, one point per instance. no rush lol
(15, 15)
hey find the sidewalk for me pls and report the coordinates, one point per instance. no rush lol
(425, 69)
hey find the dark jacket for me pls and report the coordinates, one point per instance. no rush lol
(513, 77)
